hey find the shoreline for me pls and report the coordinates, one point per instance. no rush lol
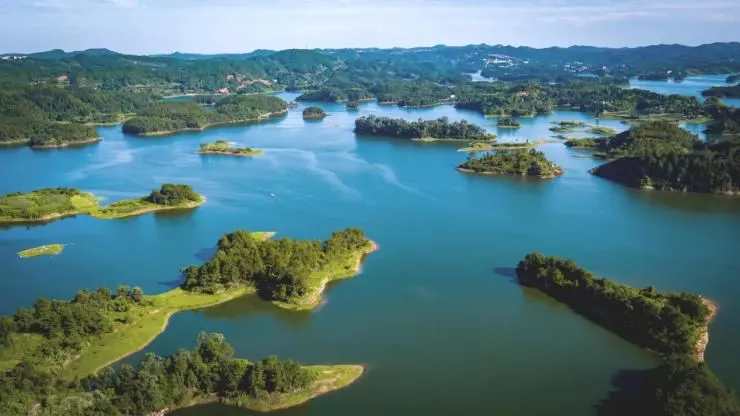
(222, 153)
(559, 172)
(701, 344)
(313, 299)
(156, 208)
(69, 144)
(208, 126)
(331, 381)
(165, 323)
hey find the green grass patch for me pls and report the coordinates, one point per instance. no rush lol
(222, 147)
(328, 378)
(48, 250)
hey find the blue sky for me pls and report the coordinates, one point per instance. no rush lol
(208, 26)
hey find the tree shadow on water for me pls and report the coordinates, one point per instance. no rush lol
(508, 272)
(632, 394)
(205, 254)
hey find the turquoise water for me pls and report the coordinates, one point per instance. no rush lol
(692, 86)
(436, 315)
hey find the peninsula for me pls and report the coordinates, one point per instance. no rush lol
(165, 118)
(674, 325)
(50, 204)
(290, 273)
(102, 328)
(423, 130)
(513, 162)
(222, 147)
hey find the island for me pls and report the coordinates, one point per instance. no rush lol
(46, 250)
(731, 79)
(50, 204)
(606, 131)
(99, 328)
(511, 163)
(222, 147)
(660, 155)
(483, 146)
(353, 106)
(290, 273)
(508, 123)
(585, 143)
(166, 118)
(46, 135)
(313, 112)
(673, 325)
(422, 130)
(723, 92)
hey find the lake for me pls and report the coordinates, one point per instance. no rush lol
(691, 86)
(436, 315)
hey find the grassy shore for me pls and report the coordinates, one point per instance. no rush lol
(222, 147)
(48, 250)
(83, 203)
(142, 325)
(342, 269)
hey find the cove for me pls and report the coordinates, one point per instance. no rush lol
(691, 86)
(436, 315)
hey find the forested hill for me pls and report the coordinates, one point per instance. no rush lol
(660, 155)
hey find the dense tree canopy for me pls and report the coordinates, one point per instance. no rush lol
(313, 112)
(172, 194)
(513, 162)
(441, 128)
(156, 383)
(165, 117)
(278, 269)
(667, 323)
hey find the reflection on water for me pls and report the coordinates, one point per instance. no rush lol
(251, 305)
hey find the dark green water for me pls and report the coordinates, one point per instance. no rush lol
(436, 315)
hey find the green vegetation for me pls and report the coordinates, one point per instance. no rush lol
(675, 325)
(482, 146)
(44, 205)
(440, 129)
(49, 116)
(207, 373)
(724, 119)
(353, 106)
(508, 123)
(313, 112)
(336, 95)
(53, 203)
(587, 143)
(222, 147)
(291, 273)
(47, 250)
(660, 155)
(511, 163)
(163, 118)
(667, 323)
(606, 131)
(723, 92)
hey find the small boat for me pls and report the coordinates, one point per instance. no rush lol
(272, 195)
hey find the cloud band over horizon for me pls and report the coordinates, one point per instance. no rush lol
(218, 26)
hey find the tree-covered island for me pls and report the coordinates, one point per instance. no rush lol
(661, 155)
(723, 92)
(314, 112)
(164, 118)
(353, 106)
(674, 325)
(511, 162)
(222, 147)
(440, 129)
(508, 123)
(290, 273)
(50, 204)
